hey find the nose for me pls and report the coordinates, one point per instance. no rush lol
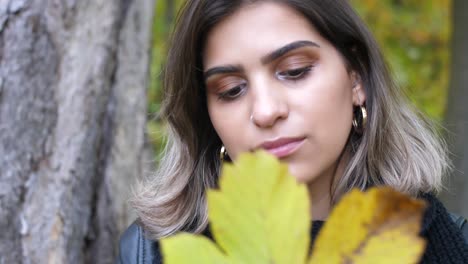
(269, 106)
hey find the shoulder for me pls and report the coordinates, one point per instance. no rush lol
(461, 223)
(136, 248)
(444, 236)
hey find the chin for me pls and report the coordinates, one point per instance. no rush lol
(301, 176)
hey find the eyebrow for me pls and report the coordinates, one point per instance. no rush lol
(223, 70)
(287, 48)
(265, 60)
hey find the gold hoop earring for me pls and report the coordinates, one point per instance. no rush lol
(222, 153)
(360, 120)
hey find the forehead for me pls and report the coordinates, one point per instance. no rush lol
(254, 30)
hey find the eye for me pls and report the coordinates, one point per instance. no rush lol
(232, 93)
(294, 74)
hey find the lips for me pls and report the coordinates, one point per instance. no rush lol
(282, 147)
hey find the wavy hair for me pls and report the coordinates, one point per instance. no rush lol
(398, 148)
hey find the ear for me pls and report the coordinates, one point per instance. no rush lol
(359, 94)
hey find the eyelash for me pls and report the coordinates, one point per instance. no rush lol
(229, 96)
(297, 74)
(237, 91)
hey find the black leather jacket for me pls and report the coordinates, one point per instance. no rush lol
(136, 249)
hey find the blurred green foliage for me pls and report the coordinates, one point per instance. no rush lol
(165, 14)
(414, 36)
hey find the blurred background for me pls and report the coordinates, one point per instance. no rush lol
(80, 91)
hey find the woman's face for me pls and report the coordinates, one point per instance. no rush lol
(273, 83)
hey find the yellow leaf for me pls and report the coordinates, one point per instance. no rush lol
(187, 248)
(379, 226)
(259, 215)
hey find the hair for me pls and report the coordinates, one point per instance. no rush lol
(398, 147)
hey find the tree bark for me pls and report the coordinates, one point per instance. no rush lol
(73, 77)
(456, 195)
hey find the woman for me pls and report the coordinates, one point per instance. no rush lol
(305, 81)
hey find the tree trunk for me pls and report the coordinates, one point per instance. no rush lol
(456, 195)
(73, 77)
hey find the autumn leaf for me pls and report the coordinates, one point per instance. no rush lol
(261, 215)
(379, 226)
(187, 248)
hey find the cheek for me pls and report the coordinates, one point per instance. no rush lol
(329, 122)
(334, 112)
(326, 112)
(229, 127)
(327, 102)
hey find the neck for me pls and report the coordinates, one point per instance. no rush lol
(320, 189)
(319, 195)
